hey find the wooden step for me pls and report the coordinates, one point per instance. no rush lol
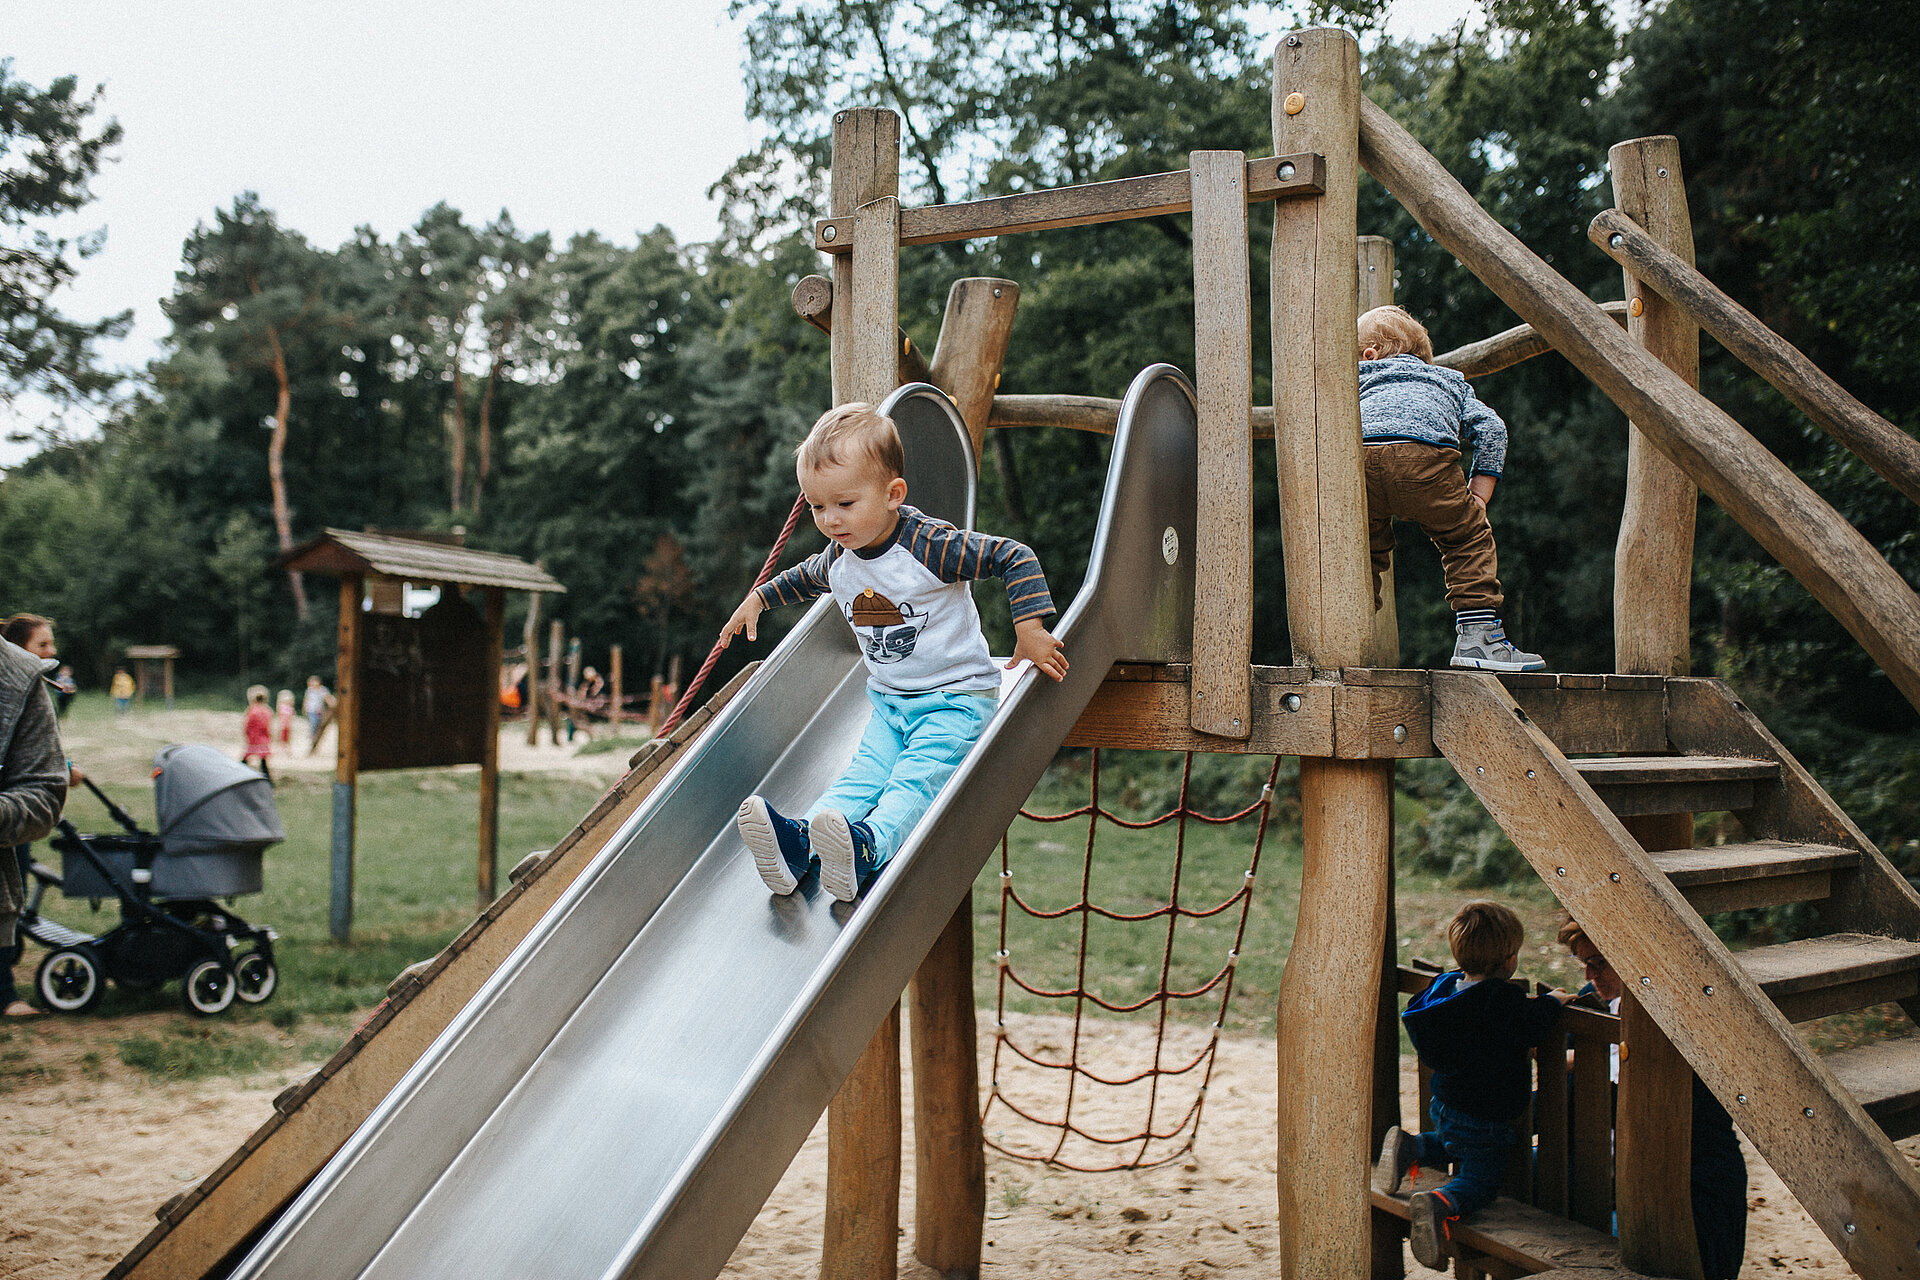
(1635, 785)
(1814, 977)
(1884, 1078)
(1765, 873)
(1517, 1234)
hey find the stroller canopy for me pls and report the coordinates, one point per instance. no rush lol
(210, 803)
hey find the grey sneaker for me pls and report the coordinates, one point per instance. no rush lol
(1427, 1218)
(1396, 1157)
(1484, 646)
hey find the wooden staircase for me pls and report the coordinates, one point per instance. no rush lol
(1826, 1124)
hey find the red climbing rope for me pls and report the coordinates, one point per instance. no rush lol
(766, 571)
(1153, 1146)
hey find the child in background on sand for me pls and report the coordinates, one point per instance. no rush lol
(1473, 1029)
(283, 717)
(1415, 418)
(901, 578)
(258, 727)
(121, 691)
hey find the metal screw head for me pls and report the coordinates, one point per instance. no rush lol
(1646, 982)
(1236, 722)
(1291, 702)
(996, 292)
(830, 232)
(1559, 871)
(1293, 42)
(1740, 1098)
(1663, 171)
(1615, 877)
(1807, 1112)
(1480, 770)
(1849, 1228)
(1615, 240)
(1399, 733)
(1707, 990)
(1286, 172)
(1529, 773)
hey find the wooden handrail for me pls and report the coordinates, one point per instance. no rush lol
(1875, 441)
(1806, 535)
(1148, 196)
(1510, 346)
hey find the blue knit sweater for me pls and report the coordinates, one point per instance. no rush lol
(1405, 398)
(1476, 1042)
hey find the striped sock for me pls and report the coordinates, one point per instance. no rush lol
(1465, 618)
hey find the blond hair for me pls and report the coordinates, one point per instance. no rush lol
(1390, 331)
(1483, 934)
(257, 693)
(853, 432)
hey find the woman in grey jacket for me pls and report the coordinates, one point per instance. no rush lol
(33, 770)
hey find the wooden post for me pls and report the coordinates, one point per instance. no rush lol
(949, 1154)
(166, 677)
(950, 1171)
(1332, 980)
(863, 1120)
(556, 637)
(1653, 560)
(1223, 373)
(614, 690)
(496, 609)
(972, 346)
(346, 768)
(1653, 581)
(1374, 288)
(530, 640)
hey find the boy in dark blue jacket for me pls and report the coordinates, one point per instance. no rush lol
(1473, 1029)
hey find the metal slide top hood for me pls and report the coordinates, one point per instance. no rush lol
(625, 1092)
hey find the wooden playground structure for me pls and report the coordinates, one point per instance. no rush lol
(1595, 777)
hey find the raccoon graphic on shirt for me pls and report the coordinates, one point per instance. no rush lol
(909, 603)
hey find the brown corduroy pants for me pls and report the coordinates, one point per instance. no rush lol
(1407, 480)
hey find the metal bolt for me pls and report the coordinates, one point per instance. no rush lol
(1615, 240)
(1849, 1228)
(1291, 702)
(1646, 982)
(1399, 733)
(1707, 990)
(1286, 172)
(1529, 773)
(996, 293)
(1663, 172)
(1807, 1112)
(1293, 42)
(1615, 877)
(1740, 1098)
(1236, 723)
(1559, 871)
(830, 233)
(1480, 770)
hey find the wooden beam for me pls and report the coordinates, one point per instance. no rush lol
(1223, 376)
(1510, 347)
(1671, 276)
(863, 1120)
(1373, 287)
(973, 345)
(1331, 984)
(1150, 196)
(813, 302)
(346, 765)
(489, 853)
(1831, 558)
(949, 1154)
(1653, 557)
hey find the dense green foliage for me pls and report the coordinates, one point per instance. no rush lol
(624, 412)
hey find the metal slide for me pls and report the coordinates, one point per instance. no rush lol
(621, 1097)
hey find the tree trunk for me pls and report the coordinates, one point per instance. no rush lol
(495, 360)
(276, 468)
(456, 423)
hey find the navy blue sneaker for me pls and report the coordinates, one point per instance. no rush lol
(847, 856)
(782, 850)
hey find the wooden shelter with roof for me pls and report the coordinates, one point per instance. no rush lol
(420, 691)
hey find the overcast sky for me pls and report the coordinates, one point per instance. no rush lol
(573, 116)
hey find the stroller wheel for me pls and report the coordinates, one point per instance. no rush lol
(209, 988)
(255, 977)
(69, 980)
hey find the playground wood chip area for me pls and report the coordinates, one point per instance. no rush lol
(87, 1155)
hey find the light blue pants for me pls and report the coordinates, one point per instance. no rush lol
(912, 745)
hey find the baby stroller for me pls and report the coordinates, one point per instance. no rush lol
(216, 818)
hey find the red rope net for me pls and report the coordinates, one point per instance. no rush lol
(1026, 1065)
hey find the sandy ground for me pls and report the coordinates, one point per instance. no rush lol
(88, 1150)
